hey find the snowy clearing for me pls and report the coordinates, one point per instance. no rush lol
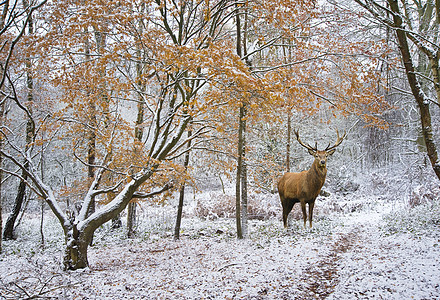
(358, 255)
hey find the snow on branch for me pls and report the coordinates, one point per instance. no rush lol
(141, 195)
(272, 68)
(27, 168)
(37, 185)
(12, 20)
(110, 210)
(175, 154)
(421, 43)
(168, 144)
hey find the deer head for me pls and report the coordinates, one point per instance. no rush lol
(321, 155)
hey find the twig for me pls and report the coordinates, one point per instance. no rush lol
(162, 250)
(41, 293)
(227, 266)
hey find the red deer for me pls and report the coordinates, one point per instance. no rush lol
(305, 186)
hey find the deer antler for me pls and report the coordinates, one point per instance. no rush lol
(338, 141)
(307, 146)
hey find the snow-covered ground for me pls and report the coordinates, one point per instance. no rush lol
(380, 251)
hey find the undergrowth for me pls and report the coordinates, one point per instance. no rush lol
(419, 220)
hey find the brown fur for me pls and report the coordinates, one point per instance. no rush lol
(303, 187)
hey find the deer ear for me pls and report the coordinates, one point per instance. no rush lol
(311, 152)
(331, 152)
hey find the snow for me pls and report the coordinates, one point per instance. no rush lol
(346, 255)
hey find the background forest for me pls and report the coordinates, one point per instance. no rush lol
(114, 109)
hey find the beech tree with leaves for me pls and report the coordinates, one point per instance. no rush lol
(177, 64)
(167, 74)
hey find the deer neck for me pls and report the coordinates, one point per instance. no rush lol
(318, 172)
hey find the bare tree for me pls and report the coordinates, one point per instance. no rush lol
(416, 23)
(2, 109)
(8, 232)
(10, 17)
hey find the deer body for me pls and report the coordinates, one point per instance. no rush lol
(305, 186)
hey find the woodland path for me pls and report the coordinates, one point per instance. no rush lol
(364, 263)
(321, 277)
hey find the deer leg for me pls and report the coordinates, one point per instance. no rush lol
(311, 206)
(287, 208)
(303, 207)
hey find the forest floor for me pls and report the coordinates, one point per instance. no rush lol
(360, 255)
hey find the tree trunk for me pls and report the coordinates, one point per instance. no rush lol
(179, 212)
(131, 219)
(244, 198)
(79, 233)
(42, 242)
(75, 253)
(1, 219)
(240, 149)
(419, 96)
(435, 68)
(116, 222)
(91, 135)
(238, 191)
(138, 134)
(2, 110)
(289, 129)
(182, 193)
(30, 131)
(138, 131)
(1, 179)
(8, 232)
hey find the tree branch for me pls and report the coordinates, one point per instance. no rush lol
(141, 195)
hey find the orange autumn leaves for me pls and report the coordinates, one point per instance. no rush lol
(295, 65)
